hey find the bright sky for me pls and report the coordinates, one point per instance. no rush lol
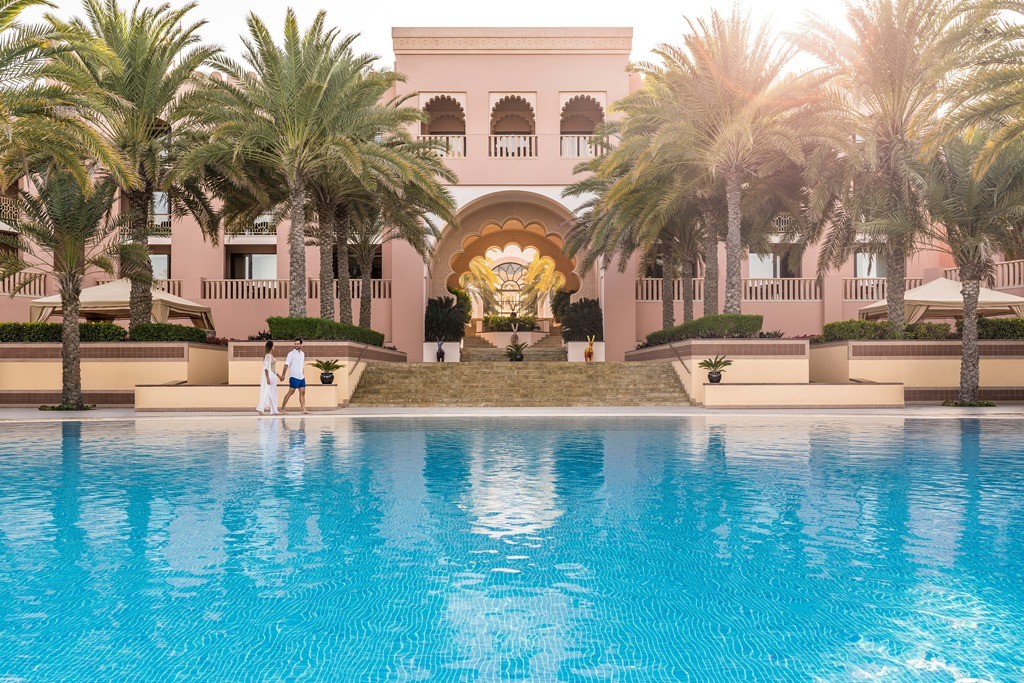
(653, 21)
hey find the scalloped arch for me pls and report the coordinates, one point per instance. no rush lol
(580, 99)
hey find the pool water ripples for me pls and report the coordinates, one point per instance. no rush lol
(644, 549)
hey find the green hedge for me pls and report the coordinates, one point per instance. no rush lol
(50, 332)
(503, 323)
(164, 332)
(722, 326)
(996, 328)
(857, 330)
(320, 328)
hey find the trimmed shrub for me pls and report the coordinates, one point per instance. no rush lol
(503, 323)
(165, 332)
(444, 319)
(583, 319)
(996, 328)
(720, 326)
(560, 301)
(50, 332)
(282, 328)
(858, 330)
(464, 300)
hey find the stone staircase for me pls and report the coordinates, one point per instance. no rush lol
(505, 384)
(478, 350)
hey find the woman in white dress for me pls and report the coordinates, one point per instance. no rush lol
(268, 383)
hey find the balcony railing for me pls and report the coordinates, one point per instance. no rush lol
(871, 288)
(781, 289)
(1007, 275)
(264, 226)
(449, 146)
(379, 289)
(577, 147)
(244, 289)
(8, 209)
(170, 286)
(649, 289)
(161, 226)
(512, 146)
(36, 287)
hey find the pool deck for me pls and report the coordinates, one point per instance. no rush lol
(1012, 411)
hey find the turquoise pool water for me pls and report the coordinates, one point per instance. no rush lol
(719, 549)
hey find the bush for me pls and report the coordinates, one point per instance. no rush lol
(50, 332)
(583, 319)
(996, 328)
(503, 323)
(857, 330)
(444, 319)
(164, 332)
(721, 326)
(560, 301)
(282, 328)
(464, 300)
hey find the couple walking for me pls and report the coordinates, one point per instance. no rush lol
(294, 367)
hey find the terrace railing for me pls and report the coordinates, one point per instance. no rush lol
(169, 286)
(512, 146)
(379, 289)
(871, 288)
(649, 289)
(1007, 275)
(244, 289)
(37, 285)
(449, 146)
(577, 147)
(781, 289)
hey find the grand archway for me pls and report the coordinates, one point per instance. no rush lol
(509, 227)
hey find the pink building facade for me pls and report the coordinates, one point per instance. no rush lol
(514, 108)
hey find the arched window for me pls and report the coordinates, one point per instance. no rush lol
(446, 125)
(581, 116)
(513, 128)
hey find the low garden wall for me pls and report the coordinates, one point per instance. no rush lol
(930, 370)
(755, 361)
(845, 395)
(30, 373)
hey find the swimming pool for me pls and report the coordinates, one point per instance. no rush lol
(703, 549)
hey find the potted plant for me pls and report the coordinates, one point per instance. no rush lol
(515, 351)
(583, 331)
(444, 326)
(327, 368)
(715, 366)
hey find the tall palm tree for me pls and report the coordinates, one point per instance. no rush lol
(159, 54)
(540, 281)
(46, 109)
(978, 217)
(892, 75)
(71, 227)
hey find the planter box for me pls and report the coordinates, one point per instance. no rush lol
(112, 366)
(754, 361)
(452, 352)
(920, 365)
(576, 350)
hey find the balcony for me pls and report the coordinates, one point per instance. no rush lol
(512, 146)
(244, 290)
(649, 289)
(448, 146)
(161, 225)
(577, 147)
(172, 287)
(33, 285)
(379, 289)
(1007, 275)
(871, 288)
(781, 289)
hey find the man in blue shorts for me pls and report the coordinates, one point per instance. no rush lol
(295, 368)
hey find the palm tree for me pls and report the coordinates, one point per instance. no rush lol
(46, 109)
(891, 77)
(481, 281)
(978, 217)
(540, 280)
(71, 226)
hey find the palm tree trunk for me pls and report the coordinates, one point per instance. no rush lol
(71, 349)
(687, 275)
(365, 294)
(297, 250)
(895, 288)
(733, 244)
(140, 301)
(668, 294)
(711, 267)
(327, 237)
(970, 368)
(341, 228)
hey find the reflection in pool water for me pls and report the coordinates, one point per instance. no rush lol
(719, 548)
